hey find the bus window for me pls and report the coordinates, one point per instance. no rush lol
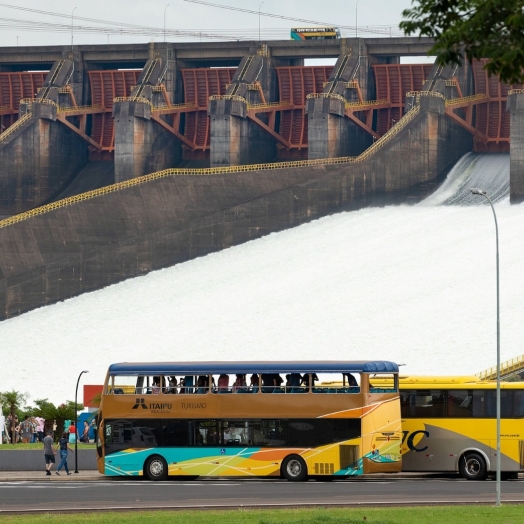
(519, 403)
(460, 403)
(506, 403)
(479, 403)
(139, 433)
(176, 433)
(426, 403)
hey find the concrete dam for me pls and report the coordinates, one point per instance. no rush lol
(119, 160)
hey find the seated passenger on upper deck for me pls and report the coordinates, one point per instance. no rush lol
(352, 381)
(223, 382)
(295, 380)
(240, 383)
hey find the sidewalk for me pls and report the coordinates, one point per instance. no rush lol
(20, 476)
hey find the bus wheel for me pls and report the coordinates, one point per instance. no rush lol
(294, 468)
(155, 468)
(473, 466)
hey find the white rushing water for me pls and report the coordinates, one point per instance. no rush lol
(415, 285)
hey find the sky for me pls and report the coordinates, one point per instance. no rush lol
(382, 15)
(415, 285)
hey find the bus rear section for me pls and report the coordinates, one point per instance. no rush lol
(251, 419)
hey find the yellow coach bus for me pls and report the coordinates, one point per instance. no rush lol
(249, 419)
(449, 424)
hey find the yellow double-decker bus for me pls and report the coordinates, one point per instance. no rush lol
(249, 419)
(449, 424)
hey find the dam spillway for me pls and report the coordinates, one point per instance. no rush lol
(277, 144)
(412, 284)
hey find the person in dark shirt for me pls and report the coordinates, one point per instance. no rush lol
(49, 452)
(63, 444)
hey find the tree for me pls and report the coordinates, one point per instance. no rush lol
(58, 414)
(473, 29)
(14, 400)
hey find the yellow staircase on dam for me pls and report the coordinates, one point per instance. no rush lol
(507, 369)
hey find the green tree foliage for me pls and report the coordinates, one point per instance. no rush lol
(58, 414)
(472, 29)
(13, 400)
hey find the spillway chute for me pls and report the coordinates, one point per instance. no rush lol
(489, 172)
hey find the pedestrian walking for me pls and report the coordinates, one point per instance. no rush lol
(49, 452)
(63, 444)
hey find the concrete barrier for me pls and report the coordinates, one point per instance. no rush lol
(33, 459)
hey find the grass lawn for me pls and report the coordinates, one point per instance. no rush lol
(415, 515)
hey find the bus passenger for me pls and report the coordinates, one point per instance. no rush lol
(172, 385)
(254, 383)
(295, 379)
(155, 389)
(211, 438)
(352, 381)
(268, 382)
(223, 382)
(202, 384)
(306, 380)
(240, 383)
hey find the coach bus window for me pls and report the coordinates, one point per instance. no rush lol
(426, 403)
(479, 403)
(506, 403)
(460, 403)
(519, 403)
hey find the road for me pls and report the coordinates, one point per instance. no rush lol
(49, 495)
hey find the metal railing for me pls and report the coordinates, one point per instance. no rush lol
(228, 97)
(401, 124)
(465, 99)
(189, 105)
(515, 91)
(506, 368)
(367, 103)
(352, 84)
(12, 128)
(418, 94)
(139, 99)
(326, 95)
(63, 109)
(268, 104)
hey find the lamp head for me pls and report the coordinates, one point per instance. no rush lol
(476, 191)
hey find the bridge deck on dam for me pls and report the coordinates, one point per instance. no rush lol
(202, 52)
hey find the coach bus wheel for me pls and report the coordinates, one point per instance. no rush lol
(473, 466)
(155, 468)
(294, 468)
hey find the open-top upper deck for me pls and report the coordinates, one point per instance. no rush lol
(245, 367)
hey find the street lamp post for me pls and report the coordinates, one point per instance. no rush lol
(483, 193)
(165, 21)
(72, 14)
(259, 7)
(76, 421)
(356, 19)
